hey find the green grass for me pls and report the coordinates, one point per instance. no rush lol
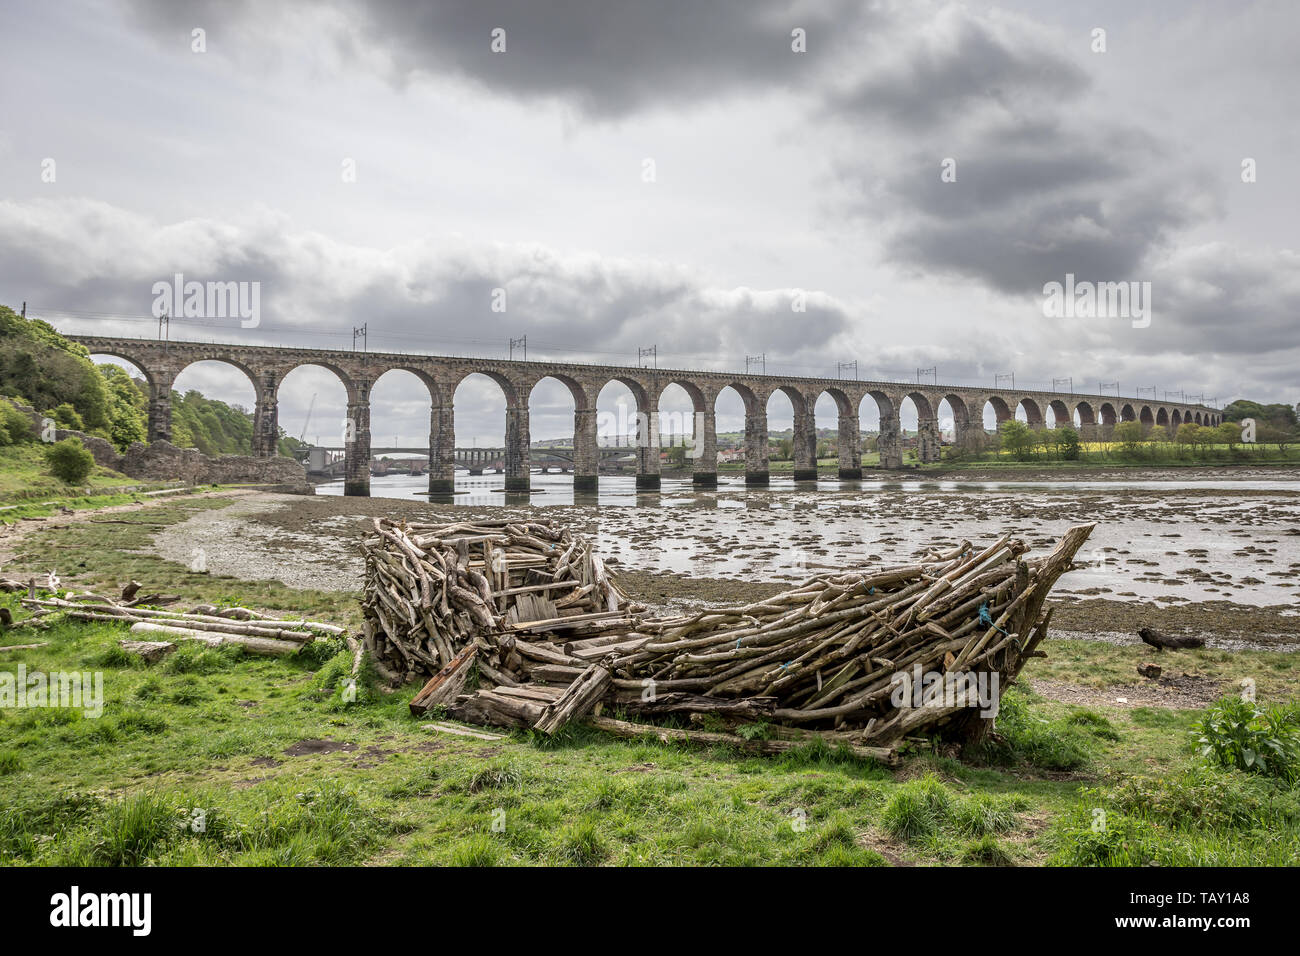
(1198, 817)
(24, 476)
(208, 729)
(1100, 456)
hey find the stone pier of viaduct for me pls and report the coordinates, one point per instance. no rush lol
(266, 367)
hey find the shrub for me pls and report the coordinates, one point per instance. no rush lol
(499, 776)
(15, 427)
(69, 461)
(581, 845)
(983, 815)
(318, 653)
(67, 416)
(1238, 733)
(478, 850)
(193, 658)
(131, 831)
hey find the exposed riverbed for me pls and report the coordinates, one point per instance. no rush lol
(1211, 555)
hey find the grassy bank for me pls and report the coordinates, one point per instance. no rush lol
(25, 476)
(212, 756)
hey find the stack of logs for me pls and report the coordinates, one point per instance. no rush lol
(431, 590)
(825, 659)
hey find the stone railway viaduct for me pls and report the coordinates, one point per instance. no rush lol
(266, 367)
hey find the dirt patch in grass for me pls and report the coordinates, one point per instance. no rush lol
(1176, 692)
(304, 747)
(881, 844)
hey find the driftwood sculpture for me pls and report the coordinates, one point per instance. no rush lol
(862, 658)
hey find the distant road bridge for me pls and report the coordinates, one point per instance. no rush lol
(474, 460)
(266, 366)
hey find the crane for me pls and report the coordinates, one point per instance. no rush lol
(307, 421)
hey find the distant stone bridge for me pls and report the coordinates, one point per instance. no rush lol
(266, 366)
(477, 460)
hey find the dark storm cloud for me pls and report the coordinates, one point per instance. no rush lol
(606, 59)
(1045, 183)
(924, 75)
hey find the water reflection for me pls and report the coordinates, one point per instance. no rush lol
(480, 491)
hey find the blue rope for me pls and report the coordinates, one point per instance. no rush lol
(987, 619)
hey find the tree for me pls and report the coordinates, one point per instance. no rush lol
(1228, 433)
(69, 461)
(1068, 442)
(1129, 435)
(128, 418)
(1017, 438)
(1279, 415)
(1189, 434)
(1272, 435)
(1049, 440)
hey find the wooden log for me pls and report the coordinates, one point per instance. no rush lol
(583, 694)
(1171, 642)
(461, 731)
(598, 652)
(495, 710)
(622, 728)
(750, 708)
(254, 645)
(541, 693)
(445, 685)
(197, 622)
(151, 651)
(559, 673)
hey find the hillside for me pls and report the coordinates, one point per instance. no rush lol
(41, 368)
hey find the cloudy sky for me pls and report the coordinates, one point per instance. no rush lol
(668, 174)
